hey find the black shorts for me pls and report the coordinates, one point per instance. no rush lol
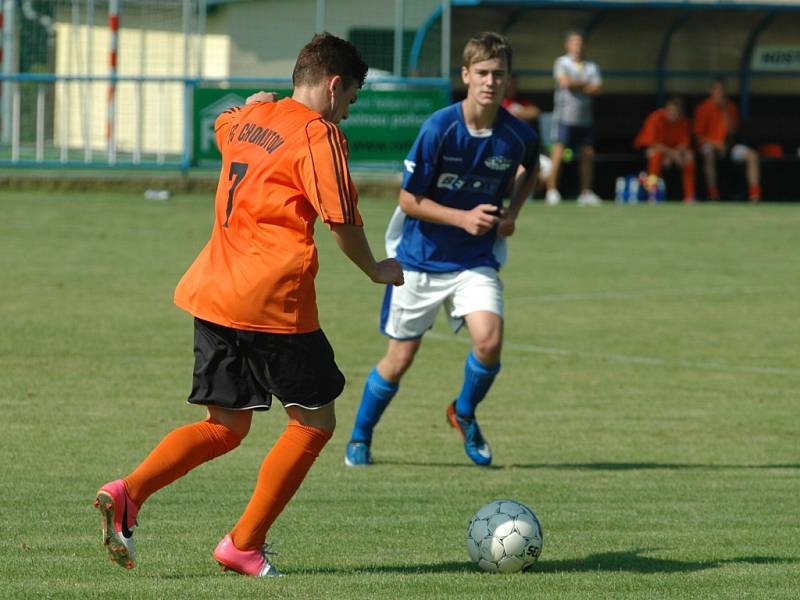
(573, 136)
(242, 370)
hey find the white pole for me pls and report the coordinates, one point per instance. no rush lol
(9, 67)
(202, 12)
(160, 118)
(65, 92)
(399, 19)
(446, 30)
(15, 124)
(320, 22)
(111, 116)
(73, 66)
(187, 17)
(137, 147)
(88, 88)
(39, 123)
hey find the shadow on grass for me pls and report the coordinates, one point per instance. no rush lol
(644, 466)
(631, 561)
(596, 466)
(634, 561)
(406, 463)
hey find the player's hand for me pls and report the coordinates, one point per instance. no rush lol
(261, 97)
(506, 226)
(480, 219)
(389, 271)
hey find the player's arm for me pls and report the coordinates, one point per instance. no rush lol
(261, 96)
(592, 89)
(326, 180)
(352, 241)
(594, 86)
(524, 182)
(476, 221)
(526, 112)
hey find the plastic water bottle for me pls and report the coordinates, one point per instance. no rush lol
(156, 194)
(633, 190)
(619, 190)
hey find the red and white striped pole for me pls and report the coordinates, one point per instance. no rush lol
(1, 31)
(113, 27)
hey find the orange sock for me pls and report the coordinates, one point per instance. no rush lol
(713, 193)
(755, 191)
(654, 164)
(688, 180)
(282, 472)
(178, 453)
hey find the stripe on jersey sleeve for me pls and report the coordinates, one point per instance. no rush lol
(340, 170)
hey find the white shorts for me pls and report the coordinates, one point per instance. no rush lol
(410, 310)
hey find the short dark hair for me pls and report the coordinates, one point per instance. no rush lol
(485, 46)
(325, 56)
(676, 101)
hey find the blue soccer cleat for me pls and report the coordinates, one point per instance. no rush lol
(357, 455)
(474, 445)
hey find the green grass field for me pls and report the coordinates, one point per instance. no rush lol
(646, 410)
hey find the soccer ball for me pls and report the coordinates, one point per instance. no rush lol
(504, 536)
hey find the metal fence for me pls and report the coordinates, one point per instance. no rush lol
(112, 82)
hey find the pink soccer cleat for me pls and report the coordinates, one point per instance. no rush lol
(245, 562)
(118, 520)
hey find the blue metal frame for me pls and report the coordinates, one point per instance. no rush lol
(663, 54)
(745, 70)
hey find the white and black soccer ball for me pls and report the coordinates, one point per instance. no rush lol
(504, 536)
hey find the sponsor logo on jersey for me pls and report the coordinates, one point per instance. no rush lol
(410, 165)
(482, 185)
(449, 181)
(498, 163)
(453, 158)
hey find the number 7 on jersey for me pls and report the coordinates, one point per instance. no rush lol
(236, 173)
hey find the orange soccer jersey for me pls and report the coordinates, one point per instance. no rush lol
(658, 129)
(710, 121)
(282, 166)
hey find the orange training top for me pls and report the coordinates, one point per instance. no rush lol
(710, 122)
(282, 166)
(658, 129)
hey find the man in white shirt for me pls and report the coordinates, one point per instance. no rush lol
(577, 82)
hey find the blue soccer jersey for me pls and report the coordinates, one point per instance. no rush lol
(461, 169)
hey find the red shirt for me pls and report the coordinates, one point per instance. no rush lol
(710, 122)
(658, 129)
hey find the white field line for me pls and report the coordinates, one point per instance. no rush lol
(650, 293)
(624, 358)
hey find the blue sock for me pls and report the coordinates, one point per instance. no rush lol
(376, 397)
(478, 379)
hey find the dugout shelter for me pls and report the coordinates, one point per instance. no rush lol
(646, 51)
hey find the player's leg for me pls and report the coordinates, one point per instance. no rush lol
(742, 154)
(582, 136)
(654, 162)
(184, 448)
(300, 369)
(380, 387)
(282, 472)
(688, 174)
(479, 301)
(587, 168)
(553, 196)
(407, 313)
(483, 363)
(709, 154)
